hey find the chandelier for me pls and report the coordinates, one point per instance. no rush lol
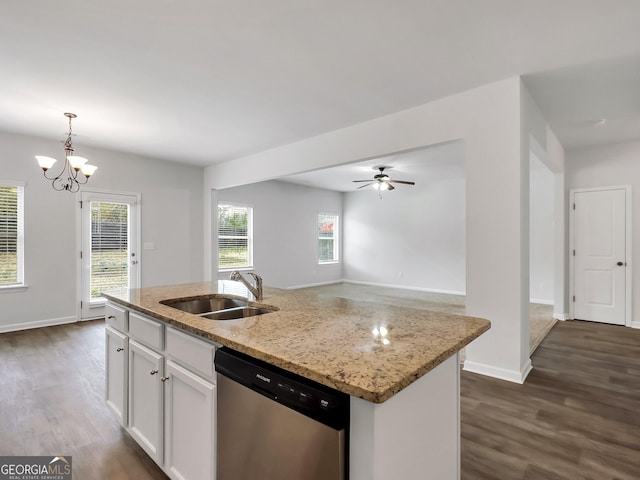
(75, 171)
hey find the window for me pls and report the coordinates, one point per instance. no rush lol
(327, 238)
(235, 232)
(11, 234)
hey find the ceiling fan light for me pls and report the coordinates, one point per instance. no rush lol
(45, 162)
(383, 186)
(77, 162)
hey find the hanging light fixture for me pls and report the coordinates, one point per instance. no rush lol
(73, 166)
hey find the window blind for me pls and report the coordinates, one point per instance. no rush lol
(234, 236)
(109, 247)
(11, 233)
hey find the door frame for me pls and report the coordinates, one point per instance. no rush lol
(136, 243)
(629, 267)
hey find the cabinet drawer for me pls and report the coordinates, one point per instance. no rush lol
(146, 331)
(116, 317)
(190, 352)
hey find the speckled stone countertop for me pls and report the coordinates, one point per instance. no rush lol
(367, 350)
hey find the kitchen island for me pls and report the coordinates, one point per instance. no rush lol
(399, 365)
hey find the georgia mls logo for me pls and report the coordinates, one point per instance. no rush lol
(35, 468)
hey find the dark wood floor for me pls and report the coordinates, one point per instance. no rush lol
(52, 403)
(576, 417)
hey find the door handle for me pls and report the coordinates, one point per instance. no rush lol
(620, 264)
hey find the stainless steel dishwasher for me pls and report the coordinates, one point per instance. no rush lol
(274, 425)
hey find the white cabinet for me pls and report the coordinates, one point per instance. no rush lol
(189, 424)
(146, 413)
(116, 378)
(163, 392)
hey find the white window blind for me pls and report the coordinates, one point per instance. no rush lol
(11, 233)
(327, 238)
(109, 247)
(235, 236)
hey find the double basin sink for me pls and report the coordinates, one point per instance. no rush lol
(218, 307)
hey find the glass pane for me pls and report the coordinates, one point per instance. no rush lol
(8, 234)
(109, 247)
(326, 226)
(234, 236)
(232, 221)
(233, 252)
(325, 250)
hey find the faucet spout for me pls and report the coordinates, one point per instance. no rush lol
(256, 290)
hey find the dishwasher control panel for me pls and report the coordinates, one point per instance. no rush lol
(301, 394)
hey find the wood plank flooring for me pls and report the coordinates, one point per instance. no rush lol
(52, 403)
(576, 417)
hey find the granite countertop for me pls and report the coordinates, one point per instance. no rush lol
(367, 350)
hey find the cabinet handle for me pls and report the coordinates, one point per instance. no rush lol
(164, 379)
(110, 317)
(153, 372)
(119, 349)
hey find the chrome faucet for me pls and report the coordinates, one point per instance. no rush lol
(255, 290)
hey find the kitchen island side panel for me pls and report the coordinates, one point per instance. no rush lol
(415, 435)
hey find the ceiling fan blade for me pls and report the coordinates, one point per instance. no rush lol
(361, 180)
(362, 186)
(402, 181)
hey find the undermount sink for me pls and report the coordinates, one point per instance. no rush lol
(201, 306)
(239, 312)
(218, 308)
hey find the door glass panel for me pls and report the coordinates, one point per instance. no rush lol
(109, 247)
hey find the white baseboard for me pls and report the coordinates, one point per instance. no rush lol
(561, 316)
(405, 287)
(319, 284)
(635, 324)
(14, 327)
(497, 372)
(541, 301)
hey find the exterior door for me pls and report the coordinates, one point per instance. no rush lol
(109, 248)
(599, 251)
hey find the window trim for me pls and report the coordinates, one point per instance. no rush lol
(20, 285)
(336, 239)
(250, 266)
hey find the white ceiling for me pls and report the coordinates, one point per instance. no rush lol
(434, 163)
(203, 81)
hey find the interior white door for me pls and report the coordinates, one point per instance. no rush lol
(109, 248)
(599, 251)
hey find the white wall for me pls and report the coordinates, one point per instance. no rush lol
(411, 237)
(541, 242)
(616, 164)
(171, 217)
(285, 226)
(488, 119)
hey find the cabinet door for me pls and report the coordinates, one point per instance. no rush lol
(116, 365)
(146, 399)
(189, 425)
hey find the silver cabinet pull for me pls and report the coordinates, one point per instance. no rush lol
(119, 349)
(164, 379)
(111, 317)
(153, 372)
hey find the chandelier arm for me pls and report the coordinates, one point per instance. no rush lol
(59, 182)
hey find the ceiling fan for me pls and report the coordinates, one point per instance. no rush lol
(382, 181)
